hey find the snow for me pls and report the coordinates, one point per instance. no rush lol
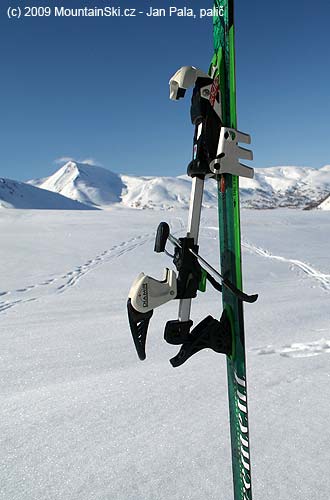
(271, 188)
(163, 193)
(14, 194)
(325, 205)
(82, 418)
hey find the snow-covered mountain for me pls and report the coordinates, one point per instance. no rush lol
(85, 183)
(271, 187)
(162, 192)
(14, 194)
(93, 187)
(286, 187)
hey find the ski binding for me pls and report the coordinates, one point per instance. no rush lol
(216, 152)
(147, 293)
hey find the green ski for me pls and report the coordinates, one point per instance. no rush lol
(230, 248)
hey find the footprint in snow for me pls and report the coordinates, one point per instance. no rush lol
(297, 349)
(47, 282)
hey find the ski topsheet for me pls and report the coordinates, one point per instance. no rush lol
(223, 67)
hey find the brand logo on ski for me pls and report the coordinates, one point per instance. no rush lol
(214, 91)
(144, 295)
(241, 402)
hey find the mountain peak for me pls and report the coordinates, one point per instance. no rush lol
(70, 167)
(85, 183)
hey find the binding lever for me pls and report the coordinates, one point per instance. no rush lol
(182, 246)
(163, 232)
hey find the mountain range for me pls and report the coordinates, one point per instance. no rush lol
(80, 186)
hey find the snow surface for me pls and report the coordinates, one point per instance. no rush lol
(325, 204)
(83, 419)
(271, 187)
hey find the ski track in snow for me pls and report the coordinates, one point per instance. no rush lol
(64, 282)
(314, 274)
(297, 349)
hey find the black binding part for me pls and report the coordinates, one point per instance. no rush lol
(206, 142)
(177, 332)
(139, 323)
(208, 334)
(188, 267)
(190, 270)
(244, 297)
(163, 232)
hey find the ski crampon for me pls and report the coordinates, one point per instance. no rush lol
(217, 154)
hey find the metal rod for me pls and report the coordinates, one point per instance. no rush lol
(175, 242)
(206, 264)
(192, 232)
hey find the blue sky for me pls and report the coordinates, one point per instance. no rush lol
(97, 88)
